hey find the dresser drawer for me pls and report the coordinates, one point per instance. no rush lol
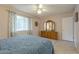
(50, 35)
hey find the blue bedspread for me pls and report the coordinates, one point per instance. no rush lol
(26, 45)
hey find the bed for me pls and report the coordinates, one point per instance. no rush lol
(26, 45)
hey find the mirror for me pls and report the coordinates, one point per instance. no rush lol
(49, 26)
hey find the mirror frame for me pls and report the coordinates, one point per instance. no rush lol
(53, 23)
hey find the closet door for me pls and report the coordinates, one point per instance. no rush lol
(67, 28)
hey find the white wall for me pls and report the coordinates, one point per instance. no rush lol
(35, 29)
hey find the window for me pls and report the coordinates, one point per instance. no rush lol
(21, 23)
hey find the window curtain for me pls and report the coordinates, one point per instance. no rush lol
(12, 18)
(30, 26)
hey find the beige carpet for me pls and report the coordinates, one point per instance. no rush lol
(64, 47)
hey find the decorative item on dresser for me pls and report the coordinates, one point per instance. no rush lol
(49, 30)
(49, 34)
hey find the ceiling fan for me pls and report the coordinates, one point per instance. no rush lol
(39, 9)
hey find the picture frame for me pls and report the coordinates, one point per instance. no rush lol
(36, 23)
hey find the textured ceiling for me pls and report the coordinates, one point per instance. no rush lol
(51, 9)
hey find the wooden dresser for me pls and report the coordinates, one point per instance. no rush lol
(49, 34)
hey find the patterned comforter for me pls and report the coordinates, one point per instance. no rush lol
(26, 45)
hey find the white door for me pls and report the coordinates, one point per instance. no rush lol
(67, 28)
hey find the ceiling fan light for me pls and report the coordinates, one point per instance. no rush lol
(39, 11)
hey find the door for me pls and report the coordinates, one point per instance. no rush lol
(67, 28)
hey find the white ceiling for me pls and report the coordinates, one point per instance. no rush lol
(51, 9)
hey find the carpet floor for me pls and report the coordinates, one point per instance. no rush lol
(64, 47)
